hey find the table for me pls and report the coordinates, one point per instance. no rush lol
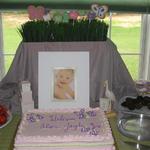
(121, 141)
(105, 64)
(7, 135)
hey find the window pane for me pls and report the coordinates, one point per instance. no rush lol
(132, 63)
(125, 33)
(11, 21)
(8, 60)
(126, 30)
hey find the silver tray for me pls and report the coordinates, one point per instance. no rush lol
(8, 120)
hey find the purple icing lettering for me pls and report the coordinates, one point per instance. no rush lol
(90, 129)
(82, 114)
(73, 127)
(93, 132)
(66, 128)
(39, 116)
(70, 119)
(85, 129)
(48, 126)
(91, 113)
(60, 118)
(57, 118)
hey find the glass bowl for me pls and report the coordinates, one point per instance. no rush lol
(9, 118)
(134, 123)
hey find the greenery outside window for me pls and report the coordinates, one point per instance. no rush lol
(124, 30)
(126, 34)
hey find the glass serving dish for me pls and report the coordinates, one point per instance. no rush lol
(5, 113)
(134, 123)
(9, 118)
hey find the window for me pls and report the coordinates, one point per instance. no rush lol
(11, 21)
(125, 31)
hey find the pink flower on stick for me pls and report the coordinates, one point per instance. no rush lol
(73, 15)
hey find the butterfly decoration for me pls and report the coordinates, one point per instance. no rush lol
(83, 114)
(91, 113)
(36, 13)
(99, 10)
(31, 118)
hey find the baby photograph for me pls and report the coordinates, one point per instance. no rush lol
(64, 84)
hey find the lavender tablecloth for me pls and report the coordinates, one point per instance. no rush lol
(105, 64)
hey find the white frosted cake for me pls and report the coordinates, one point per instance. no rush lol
(68, 129)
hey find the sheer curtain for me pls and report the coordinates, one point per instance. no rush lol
(145, 48)
(1, 50)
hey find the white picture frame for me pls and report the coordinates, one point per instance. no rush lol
(52, 65)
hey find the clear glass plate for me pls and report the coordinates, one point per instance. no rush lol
(135, 126)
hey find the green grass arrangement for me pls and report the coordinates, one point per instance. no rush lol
(50, 31)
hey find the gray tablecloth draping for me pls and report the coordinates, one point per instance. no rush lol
(105, 64)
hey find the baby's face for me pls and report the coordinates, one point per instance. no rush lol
(64, 77)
